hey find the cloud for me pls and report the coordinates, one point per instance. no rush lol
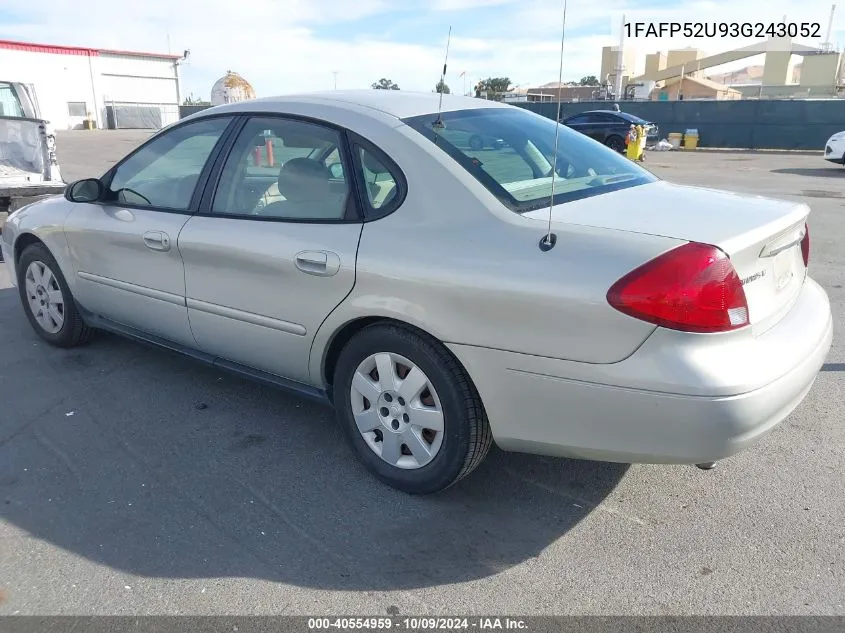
(463, 5)
(284, 46)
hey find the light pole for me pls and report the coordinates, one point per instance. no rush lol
(335, 79)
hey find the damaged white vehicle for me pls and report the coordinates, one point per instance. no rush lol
(29, 168)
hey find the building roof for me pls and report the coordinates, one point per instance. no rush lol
(397, 103)
(702, 82)
(749, 74)
(57, 49)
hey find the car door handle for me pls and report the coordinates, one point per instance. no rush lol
(157, 240)
(321, 263)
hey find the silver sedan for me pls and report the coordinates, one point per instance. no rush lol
(360, 248)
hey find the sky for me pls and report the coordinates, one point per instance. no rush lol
(287, 46)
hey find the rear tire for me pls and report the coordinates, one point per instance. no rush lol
(47, 300)
(409, 410)
(616, 143)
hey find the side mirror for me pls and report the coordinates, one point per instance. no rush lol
(87, 190)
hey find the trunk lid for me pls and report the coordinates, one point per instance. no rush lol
(762, 236)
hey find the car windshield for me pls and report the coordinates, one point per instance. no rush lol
(511, 152)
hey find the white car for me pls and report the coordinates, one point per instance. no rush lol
(441, 297)
(834, 149)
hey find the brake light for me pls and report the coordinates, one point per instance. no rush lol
(692, 288)
(805, 246)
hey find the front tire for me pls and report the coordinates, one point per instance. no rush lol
(616, 143)
(409, 410)
(47, 299)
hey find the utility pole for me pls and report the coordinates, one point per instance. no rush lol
(617, 88)
(334, 72)
(681, 83)
(827, 46)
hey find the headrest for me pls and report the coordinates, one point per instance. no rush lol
(303, 178)
(372, 163)
(306, 168)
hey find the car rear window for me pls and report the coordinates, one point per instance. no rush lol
(10, 105)
(511, 151)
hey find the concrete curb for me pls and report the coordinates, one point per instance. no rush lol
(740, 150)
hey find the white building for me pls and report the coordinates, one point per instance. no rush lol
(112, 88)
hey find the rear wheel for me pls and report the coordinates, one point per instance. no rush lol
(409, 409)
(616, 143)
(47, 300)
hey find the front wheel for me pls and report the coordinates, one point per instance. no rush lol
(47, 300)
(616, 143)
(409, 409)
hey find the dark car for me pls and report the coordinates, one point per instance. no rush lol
(610, 127)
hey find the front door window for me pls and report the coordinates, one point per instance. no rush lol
(164, 173)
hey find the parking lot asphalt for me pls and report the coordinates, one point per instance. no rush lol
(133, 481)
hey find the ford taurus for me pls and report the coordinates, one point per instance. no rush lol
(551, 296)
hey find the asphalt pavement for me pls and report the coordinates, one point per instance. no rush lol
(133, 481)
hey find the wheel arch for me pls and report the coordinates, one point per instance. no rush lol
(22, 242)
(343, 334)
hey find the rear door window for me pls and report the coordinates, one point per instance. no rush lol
(284, 169)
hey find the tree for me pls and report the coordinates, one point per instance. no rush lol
(589, 80)
(495, 87)
(385, 84)
(192, 100)
(442, 87)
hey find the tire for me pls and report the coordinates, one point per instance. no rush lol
(38, 288)
(616, 143)
(447, 455)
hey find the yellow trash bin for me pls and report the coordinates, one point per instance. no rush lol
(691, 139)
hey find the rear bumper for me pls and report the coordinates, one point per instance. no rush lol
(553, 407)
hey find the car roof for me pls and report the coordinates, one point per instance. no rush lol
(397, 103)
(622, 115)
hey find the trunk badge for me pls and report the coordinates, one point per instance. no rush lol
(754, 277)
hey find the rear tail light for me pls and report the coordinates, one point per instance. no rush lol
(805, 246)
(692, 288)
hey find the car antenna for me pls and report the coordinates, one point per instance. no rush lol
(549, 240)
(438, 122)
